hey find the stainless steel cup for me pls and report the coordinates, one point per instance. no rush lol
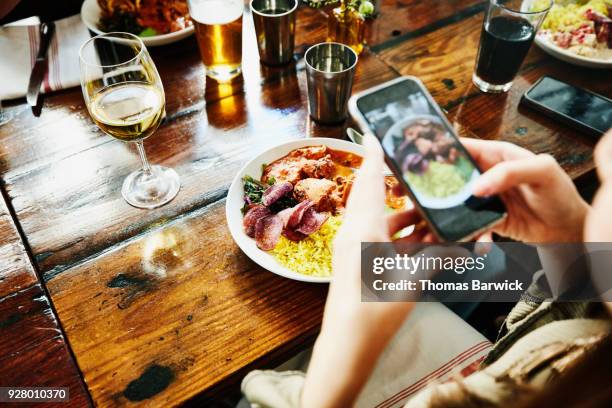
(275, 28)
(330, 70)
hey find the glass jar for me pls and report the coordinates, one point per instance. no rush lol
(346, 26)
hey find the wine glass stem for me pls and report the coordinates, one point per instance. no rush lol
(146, 167)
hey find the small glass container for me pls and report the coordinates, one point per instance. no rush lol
(346, 26)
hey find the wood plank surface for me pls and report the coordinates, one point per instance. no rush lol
(399, 20)
(16, 272)
(33, 352)
(179, 310)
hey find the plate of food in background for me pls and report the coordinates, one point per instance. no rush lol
(440, 173)
(576, 31)
(156, 22)
(285, 206)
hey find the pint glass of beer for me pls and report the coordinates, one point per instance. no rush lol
(218, 28)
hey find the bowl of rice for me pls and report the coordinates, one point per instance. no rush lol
(308, 260)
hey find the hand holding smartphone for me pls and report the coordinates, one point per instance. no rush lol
(425, 154)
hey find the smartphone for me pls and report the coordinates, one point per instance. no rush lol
(583, 110)
(426, 156)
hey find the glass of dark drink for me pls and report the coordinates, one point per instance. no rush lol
(507, 33)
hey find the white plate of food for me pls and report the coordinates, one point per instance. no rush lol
(439, 170)
(575, 31)
(285, 205)
(156, 22)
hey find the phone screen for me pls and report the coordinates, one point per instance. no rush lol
(592, 110)
(432, 162)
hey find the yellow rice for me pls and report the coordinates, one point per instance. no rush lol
(568, 15)
(313, 255)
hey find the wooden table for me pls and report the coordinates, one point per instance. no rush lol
(161, 306)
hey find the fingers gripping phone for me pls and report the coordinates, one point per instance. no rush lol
(425, 154)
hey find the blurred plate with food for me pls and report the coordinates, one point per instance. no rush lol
(430, 158)
(157, 22)
(285, 206)
(577, 31)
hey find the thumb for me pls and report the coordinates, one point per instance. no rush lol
(368, 191)
(374, 159)
(510, 174)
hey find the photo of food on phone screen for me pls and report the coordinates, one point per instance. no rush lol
(431, 160)
(425, 152)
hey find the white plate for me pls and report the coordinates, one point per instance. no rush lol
(235, 202)
(564, 55)
(91, 12)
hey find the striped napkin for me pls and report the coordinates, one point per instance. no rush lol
(433, 346)
(20, 40)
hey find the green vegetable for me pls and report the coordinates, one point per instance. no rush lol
(253, 192)
(125, 22)
(147, 32)
(366, 9)
(363, 7)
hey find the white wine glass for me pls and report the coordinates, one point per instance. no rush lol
(125, 98)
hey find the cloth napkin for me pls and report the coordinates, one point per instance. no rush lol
(19, 46)
(433, 345)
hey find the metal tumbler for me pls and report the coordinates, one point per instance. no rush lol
(330, 70)
(275, 28)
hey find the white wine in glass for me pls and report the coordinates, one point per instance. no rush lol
(125, 98)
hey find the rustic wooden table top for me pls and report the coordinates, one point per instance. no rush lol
(161, 306)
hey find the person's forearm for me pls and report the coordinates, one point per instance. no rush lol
(346, 352)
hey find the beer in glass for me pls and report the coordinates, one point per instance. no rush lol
(218, 28)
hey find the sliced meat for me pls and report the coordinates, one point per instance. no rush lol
(275, 192)
(285, 215)
(252, 216)
(321, 168)
(318, 191)
(293, 235)
(291, 217)
(298, 212)
(268, 231)
(423, 145)
(453, 155)
(413, 132)
(442, 145)
(312, 221)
